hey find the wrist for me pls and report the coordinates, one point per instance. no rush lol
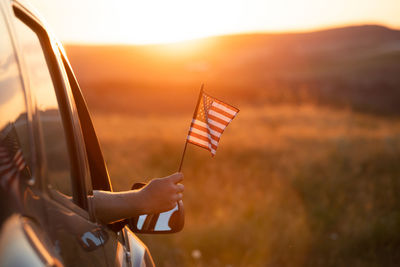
(140, 200)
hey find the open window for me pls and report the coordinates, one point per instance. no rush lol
(100, 179)
(53, 117)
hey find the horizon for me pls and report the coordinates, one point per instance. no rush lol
(307, 173)
(316, 30)
(156, 22)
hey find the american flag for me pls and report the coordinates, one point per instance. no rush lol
(211, 118)
(11, 158)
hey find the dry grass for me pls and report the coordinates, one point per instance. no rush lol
(301, 176)
(289, 186)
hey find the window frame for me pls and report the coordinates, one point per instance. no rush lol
(100, 179)
(77, 162)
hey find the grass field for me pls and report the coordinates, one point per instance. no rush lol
(306, 175)
(289, 186)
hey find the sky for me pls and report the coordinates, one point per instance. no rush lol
(164, 21)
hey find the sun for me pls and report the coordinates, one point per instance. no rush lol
(166, 21)
(175, 20)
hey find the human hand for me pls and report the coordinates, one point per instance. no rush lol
(162, 194)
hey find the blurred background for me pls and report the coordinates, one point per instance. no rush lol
(306, 175)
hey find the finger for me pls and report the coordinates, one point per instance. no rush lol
(176, 177)
(178, 197)
(180, 188)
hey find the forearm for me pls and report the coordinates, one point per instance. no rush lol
(114, 206)
(159, 195)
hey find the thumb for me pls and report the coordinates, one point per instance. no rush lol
(176, 177)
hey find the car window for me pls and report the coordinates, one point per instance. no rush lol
(83, 118)
(15, 153)
(47, 110)
(80, 136)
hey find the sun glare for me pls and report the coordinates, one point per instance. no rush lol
(177, 20)
(159, 21)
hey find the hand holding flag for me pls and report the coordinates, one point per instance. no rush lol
(210, 119)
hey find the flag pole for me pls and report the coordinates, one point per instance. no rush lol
(194, 116)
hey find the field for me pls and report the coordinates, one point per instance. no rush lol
(302, 177)
(289, 186)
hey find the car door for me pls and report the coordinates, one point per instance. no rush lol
(117, 246)
(123, 248)
(62, 162)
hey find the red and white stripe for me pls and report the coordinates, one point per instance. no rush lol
(9, 167)
(207, 135)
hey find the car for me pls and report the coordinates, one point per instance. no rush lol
(51, 160)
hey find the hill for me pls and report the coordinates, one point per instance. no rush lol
(299, 178)
(355, 67)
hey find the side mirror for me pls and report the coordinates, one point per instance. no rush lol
(171, 221)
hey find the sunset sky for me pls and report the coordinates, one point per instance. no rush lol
(160, 21)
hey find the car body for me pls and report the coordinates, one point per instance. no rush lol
(50, 157)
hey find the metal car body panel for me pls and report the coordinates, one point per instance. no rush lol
(19, 238)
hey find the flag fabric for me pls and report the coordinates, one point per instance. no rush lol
(11, 158)
(210, 119)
